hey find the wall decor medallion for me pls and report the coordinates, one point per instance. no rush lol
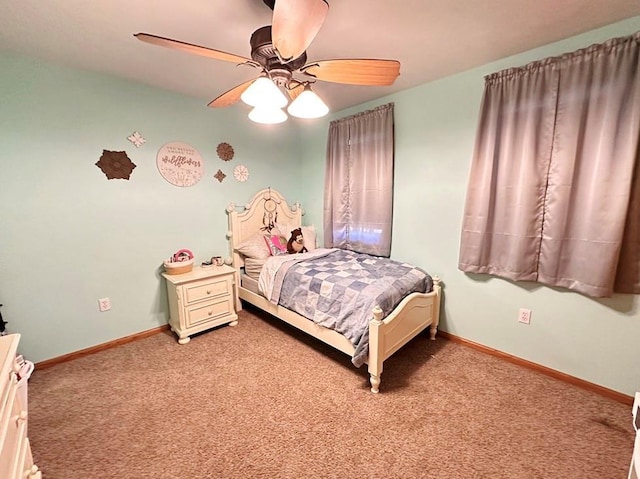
(225, 151)
(137, 139)
(115, 164)
(241, 173)
(219, 176)
(180, 164)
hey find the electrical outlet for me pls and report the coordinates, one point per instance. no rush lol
(104, 304)
(524, 316)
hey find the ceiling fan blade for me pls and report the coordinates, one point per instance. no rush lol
(190, 48)
(230, 97)
(354, 71)
(295, 25)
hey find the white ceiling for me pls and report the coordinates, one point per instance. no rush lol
(431, 38)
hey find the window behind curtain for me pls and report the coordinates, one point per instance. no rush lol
(553, 194)
(358, 200)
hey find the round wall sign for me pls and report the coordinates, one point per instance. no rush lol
(180, 164)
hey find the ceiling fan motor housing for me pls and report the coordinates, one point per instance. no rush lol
(262, 51)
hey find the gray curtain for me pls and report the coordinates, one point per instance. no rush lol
(550, 188)
(358, 199)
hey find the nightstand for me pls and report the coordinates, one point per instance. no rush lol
(201, 299)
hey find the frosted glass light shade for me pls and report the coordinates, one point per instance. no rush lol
(264, 93)
(267, 115)
(308, 105)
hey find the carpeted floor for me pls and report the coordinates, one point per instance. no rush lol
(263, 400)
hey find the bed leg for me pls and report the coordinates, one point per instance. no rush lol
(433, 330)
(375, 384)
(376, 353)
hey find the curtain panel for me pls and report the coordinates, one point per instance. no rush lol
(553, 194)
(358, 198)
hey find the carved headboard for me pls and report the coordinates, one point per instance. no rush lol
(266, 208)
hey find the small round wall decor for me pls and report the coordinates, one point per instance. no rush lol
(180, 164)
(241, 173)
(225, 151)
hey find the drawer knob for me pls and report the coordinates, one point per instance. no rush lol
(210, 313)
(208, 291)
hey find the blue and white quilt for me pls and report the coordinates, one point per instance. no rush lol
(338, 289)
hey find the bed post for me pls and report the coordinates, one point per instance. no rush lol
(433, 329)
(234, 257)
(376, 349)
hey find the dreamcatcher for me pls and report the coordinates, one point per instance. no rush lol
(270, 216)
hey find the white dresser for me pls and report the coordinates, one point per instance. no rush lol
(634, 470)
(15, 452)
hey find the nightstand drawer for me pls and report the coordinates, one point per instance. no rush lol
(203, 290)
(209, 311)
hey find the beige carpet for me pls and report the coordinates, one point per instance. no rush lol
(262, 400)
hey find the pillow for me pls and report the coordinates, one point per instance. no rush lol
(254, 247)
(310, 239)
(253, 266)
(277, 244)
(308, 233)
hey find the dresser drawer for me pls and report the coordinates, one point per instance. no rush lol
(201, 290)
(209, 311)
(6, 411)
(26, 469)
(12, 454)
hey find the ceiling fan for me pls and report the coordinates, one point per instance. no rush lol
(279, 51)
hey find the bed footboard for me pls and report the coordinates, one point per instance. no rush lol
(414, 314)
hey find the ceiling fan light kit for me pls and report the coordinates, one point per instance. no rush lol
(279, 51)
(264, 93)
(308, 105)
(267, 115)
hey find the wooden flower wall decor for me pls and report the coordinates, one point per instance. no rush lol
(115, 164)
(225, 151)
(219, 176)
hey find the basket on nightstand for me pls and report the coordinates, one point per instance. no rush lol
(178, 267)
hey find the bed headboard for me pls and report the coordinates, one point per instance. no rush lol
(266, 207)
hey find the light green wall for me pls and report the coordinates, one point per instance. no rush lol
(596, 340)
(69, 236)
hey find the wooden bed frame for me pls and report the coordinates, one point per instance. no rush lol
(415, 313)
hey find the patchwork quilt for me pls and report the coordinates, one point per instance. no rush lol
(338, 289)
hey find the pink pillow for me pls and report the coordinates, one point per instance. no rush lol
(277, 244)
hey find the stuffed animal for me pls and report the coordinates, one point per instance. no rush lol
(296, 242)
